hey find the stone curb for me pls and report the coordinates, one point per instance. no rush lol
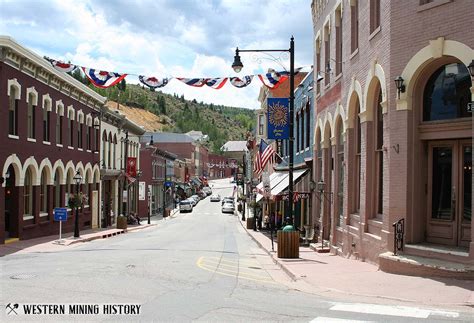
(109, 235)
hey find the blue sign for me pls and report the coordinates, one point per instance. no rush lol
(168, 184)
(278, 118)
(60, 214)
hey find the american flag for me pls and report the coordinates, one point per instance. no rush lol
(264, 154)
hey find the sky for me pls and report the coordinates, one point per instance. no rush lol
(166, 38)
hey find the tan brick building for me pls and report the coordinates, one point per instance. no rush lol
(381, 154)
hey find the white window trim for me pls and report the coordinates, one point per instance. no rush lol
(13, 137)
(80, 149)
(59, 145)
(46, 143)
(31, 139)
(27, 217)
(43, 214)
(14, 82)
(69, 147)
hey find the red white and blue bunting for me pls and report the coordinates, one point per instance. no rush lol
(104, 79)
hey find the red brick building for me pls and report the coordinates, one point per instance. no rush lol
(387, 152)
(49, 133)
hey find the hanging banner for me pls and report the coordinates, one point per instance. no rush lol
(103, 79)
(278, 115)
(132, 166)
(153, 82)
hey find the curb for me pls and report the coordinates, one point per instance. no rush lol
(110, 234)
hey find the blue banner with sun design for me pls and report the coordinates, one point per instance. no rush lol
(278, 118)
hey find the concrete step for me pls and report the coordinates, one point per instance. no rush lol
(324, 248)
(446, 253)
(422, 266)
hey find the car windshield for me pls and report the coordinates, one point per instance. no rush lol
(184, 202)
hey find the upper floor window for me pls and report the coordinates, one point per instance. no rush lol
(447, 93)
(46, 122)
(80, 132)
(31, 116)
(318, 66)
(308, 125)
(13, 111)
(71, 128)
(88, 138)
(327, 54)
(354, 25)
(374, 15)
(297, 147)
(302, 130)
(338, 41)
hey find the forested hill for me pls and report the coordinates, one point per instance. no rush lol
(175, 114)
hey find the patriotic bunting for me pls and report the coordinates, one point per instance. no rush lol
(237, 82)
(273, 80)
(193, 82)
(153, 82)
(103, 79)
(216, 83)
(61, 66)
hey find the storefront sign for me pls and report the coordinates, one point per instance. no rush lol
(141, 191)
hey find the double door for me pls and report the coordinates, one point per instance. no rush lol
(449, 192)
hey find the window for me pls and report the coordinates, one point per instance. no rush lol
(354, 25)
(327, 55)
(28, 194)
(88, 138)
(57, 190)
(13, 111)
(447, 93)
(358, 145)
(297, 133)
(104, 150)
(378, 127)
(318, 66)
(86, 185)
(302, 130)
(109, 152)
(31, 116)
(71, 128)
(59, 129)
(308, 125)
(374, 15)
(340, 175)
(79, 135)
(44, 192)
(338, 41)
(46, 121)
(114, 154)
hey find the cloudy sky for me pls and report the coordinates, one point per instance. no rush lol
(165, 38)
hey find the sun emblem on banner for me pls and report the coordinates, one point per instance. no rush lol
(278, 115)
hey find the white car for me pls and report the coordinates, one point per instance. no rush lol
(195, 198)
(215, 198)
(207, 190)
(185, 206)
(228, 207)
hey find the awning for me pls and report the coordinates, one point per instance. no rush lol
(275, 179)
(284, 183)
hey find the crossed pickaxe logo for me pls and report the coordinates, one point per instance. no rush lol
(12, 308)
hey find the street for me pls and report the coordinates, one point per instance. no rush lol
(198, 266)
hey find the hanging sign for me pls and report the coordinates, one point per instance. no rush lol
(132, 166)
(278, 118)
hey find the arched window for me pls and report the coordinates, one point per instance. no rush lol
(378, 136)
(59, 127)
(28, 194)
(80, 132)
(46, 123)
(357, 140)
(13, 111)
(71, 128)
(57, 189)
(44, 192)
(340, 174)
(31, 116)
(114, 154)
(86, 184)
(109, 152)
(447, 93)
(104, 150)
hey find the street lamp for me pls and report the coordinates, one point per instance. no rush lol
(237, 66)
(78, 180)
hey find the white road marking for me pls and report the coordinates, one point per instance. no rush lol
(323, 319)
(401, 311)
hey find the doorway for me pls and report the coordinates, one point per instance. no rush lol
(449, 192)
(11, 205)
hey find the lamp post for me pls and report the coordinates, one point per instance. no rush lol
(237, 66)
(77, 179)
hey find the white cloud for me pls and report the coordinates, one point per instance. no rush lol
(165, 38)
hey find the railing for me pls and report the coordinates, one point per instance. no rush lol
(398, 234)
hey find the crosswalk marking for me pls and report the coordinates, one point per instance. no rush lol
(400, 311)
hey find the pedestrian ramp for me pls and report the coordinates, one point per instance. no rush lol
(241, 268)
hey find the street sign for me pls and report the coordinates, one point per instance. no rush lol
(168, 184)
(60, 214)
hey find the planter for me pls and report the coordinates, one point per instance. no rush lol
(288, 244)
(122, 222)
(250, 222)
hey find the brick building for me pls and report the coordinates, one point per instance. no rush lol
(386, 152)
(49, 133)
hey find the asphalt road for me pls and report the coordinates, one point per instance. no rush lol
(199, 266)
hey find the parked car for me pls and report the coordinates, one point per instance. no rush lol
(207, 190)
(228, 207)
(202, 195)
(195, 199)
(185, 206)
(228, 199)
(215, 198)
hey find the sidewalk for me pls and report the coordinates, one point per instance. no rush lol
(326, 273)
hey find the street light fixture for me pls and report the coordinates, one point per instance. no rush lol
(78, 180)
(237, 66)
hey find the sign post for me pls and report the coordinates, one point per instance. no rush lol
(60, 214)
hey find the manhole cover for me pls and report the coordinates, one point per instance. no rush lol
(252, 267)
(23, 276)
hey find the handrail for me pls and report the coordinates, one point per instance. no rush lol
(398, 236)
